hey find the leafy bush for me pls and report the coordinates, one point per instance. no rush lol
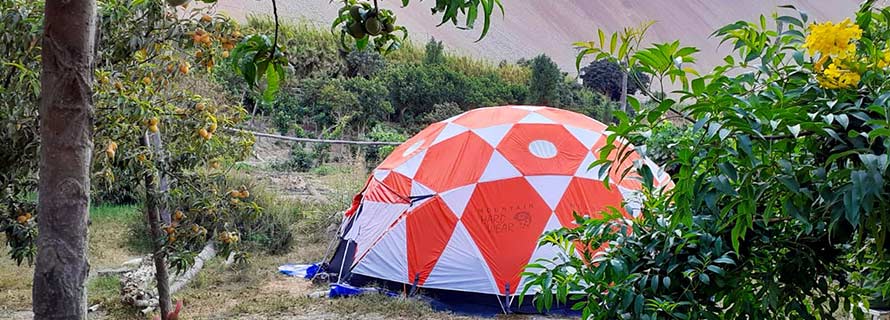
(441, 112)
(311, 51)
(373, 105)
(661, 146)
(491, 90)
(575, 97)
(300, 159)
(690, 265)
(381, 132)
(786, 167)
(364, 63)
(324, 102)
(414, 89)
(544, 82)
(18, 117)
(287, 112)
(268, 230)
(604, 76)
(434, 53)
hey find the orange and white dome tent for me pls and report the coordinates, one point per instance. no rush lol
(461, 205)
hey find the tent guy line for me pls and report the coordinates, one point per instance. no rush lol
(330, 141)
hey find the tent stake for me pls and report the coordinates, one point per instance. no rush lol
(507, 297)
(414, 285)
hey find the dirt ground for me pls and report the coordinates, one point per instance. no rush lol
(254, 290)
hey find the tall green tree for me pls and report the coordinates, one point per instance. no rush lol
(605, 76)
(434, 52)
(544, 83)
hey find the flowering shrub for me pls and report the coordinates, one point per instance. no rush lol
(780, 204)
(836, 45)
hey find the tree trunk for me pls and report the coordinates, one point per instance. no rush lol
(66, 122)
(157, 238)
(622, 103)
(157, 147)
(205, 255)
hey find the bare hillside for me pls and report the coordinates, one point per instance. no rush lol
(531, 27)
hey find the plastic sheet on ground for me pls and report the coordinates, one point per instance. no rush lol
(299, 270)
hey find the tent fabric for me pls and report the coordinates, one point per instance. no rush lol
(461, 205)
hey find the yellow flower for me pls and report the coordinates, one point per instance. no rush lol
(835, 77)
(885, 59)
(819, 65)
(833, 39)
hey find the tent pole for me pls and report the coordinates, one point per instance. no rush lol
(501, 303)
(343, 262)
(507, 297)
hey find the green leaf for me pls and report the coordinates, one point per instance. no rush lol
(791, 20)
(704, 278)
(487, 9)
(724, 260)
(738, 231)
(698, 85)
(638, 304)
(273, 83)
(602, 36)
(471, 15)
(716, 269)
(843, 120)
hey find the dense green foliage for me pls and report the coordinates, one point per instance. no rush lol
(435, 52)
(346, 94)
(150, 78)
(779, 209)
(19, 91)
(545, 81)
(604, 76)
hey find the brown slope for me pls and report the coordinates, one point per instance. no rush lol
(531, 27)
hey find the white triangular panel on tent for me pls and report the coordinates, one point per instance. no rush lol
(591, 173)
(380, 174)
(449, 131)
(587, 137)
(494, 134)
(388, 259)
(550, 188)
(372, 222)
(536, 118)
(633, 200)
(457, 199)
(409, 168)
(499, 168)
(419, 190)
(461, 266)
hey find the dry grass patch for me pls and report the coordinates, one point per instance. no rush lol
(107, 245)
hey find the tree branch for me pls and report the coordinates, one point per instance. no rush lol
(275, 37)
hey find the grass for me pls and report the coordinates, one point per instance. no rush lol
(103, 289)
(107, 245)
